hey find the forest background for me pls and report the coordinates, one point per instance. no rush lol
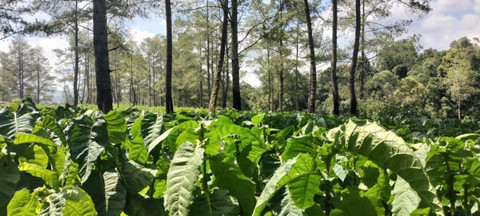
(415, 58)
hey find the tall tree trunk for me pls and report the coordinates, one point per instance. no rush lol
(225, 80)
(224, 76)
(281, 77)
(333, 73)
(168, 80)
(118, 88)
(208, 51)
(87, 79)
(100, 42)
(201, 77)
(201, 92)
(225, 84)
(364, 58)
(216, 84)
(20, 71)
(297, 101)
(237, 100)
(313, 69)
(353, 98)
(38, 79)
(149, 86)
(270, 92)
(154, 89)
(77, 59)
(459, 108)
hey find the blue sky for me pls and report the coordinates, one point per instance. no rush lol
(448, 21)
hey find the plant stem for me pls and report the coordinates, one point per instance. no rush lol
(205, 184)
(327, 186)
(449, 181)
(465, 199)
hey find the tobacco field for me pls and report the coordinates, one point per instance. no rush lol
(75, 161)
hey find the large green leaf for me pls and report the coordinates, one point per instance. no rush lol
(54, 204)
(169, 137)
(138, 176)
(152, 128)
(48, 176)
(160, 183)
(302, 189)
(387, 150)
(140, 206)
(48, 122)
(136, 149)
(300, 144)
(95, 188)
(9, 177)
(117, 127)
(405, 199)
(182, 178)
(78, 202)
(23, 203)
(23, 138)
(57, 157)
(20, 121)
(285, 207)
(230, 177)
(354, 203)
(221, 129)
(218, 203)
(115, 192)
(35, 155)
(250, 156)
(291, 172)
(87, 138)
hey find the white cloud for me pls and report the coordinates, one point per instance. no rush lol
(252, 79)
(50, 44)
(47, 44)
(139, 35)
(438, 30)
(476, 6)
(4, 45)
(450, 6)
(154, 24)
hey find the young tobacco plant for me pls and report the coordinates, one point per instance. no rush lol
(74, 161)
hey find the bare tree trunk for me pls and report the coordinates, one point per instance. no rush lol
(77, 59)
(20, 71)
(201, 92)
(281, 77)
(226, 78)
(38, 79)
(227, 82)
(201, 77)
(149, 86)
(100, 42)
(353, 98)
(270, 97)
(313, 69)
(364, 58)
(297, 100)
(118, 88)
(84, 87)
(168, 80)
(154, 73)
(208, 51)
(459, 109)
(336, 103)
(87, 77)
(216, 84)
(237, 100)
